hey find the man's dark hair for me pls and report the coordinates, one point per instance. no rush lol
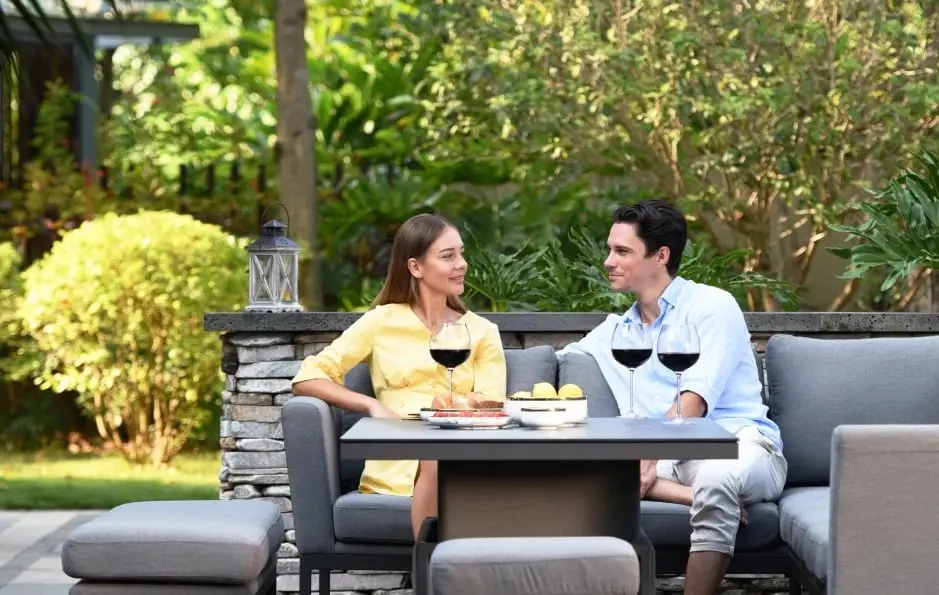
(657, 224)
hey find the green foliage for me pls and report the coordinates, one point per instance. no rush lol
(9, 268)
(116, 308)
(17, 360)
(54, 181)
(570, 277)
(763, 118)
(899, 230)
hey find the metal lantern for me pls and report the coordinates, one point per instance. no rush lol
(274, 262)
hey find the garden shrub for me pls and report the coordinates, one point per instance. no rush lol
(116, 307)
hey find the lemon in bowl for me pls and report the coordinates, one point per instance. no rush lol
(544, 390)
(570, 391)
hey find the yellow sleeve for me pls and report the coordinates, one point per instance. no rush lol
(350, 348)
(490, 365)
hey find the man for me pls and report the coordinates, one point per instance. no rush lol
(646, 242)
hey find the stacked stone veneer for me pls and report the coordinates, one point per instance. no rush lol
(261, 352)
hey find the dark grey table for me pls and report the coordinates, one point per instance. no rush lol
(523, 482)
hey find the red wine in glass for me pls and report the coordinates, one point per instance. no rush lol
(631, 346)
(678, 362)
(632, 358)
(450, 346)
(449, 358)
(679, 348)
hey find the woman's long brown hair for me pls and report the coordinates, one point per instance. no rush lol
(412, 240)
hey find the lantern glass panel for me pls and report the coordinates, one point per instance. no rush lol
(262, 270)
(287, 292)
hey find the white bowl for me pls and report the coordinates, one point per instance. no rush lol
(543, 417)
(576, 409)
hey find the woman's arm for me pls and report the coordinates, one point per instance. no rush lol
(321, 375)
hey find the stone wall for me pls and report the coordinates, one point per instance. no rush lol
(261, 352)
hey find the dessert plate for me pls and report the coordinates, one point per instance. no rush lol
(469, 419)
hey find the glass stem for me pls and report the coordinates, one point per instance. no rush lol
(450, 378)
(631, 391)
(678, 397)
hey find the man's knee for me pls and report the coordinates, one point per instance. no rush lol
(717, 482)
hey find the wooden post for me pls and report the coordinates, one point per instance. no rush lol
(294, 150)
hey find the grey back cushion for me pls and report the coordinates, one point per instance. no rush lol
(582, 370)
(524, 369)
(527, 367)
(359, 380)
(816, 385)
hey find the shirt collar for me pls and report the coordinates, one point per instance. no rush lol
(667, 301)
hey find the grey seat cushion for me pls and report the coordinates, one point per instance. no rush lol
(256, 587)
(211, 541)
(804, 515)
(373, 518)
(524, 369)
(669, 525)
(818, 384)
(534, 566)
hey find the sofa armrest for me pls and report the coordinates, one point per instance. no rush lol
(312, 451)
(884, 509)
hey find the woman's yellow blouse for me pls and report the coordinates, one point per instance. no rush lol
(405, 378)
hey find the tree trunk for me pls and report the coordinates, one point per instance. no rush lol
(294, 151)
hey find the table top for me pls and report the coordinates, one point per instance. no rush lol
(597, 439)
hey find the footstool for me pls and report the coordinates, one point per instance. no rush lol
(534, 566)
(182, 547)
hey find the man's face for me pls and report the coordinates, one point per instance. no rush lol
(628, 266)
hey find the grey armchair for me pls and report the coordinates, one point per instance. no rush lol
(338, 528)
(884, 510)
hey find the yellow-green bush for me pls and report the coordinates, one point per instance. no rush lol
(10, 294)
(116, 308)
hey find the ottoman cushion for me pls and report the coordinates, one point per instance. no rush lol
(210, 541)
(534, 566)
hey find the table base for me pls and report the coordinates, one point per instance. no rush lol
(536, 499)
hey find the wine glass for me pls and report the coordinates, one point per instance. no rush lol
(631, 346)
(450, 347)
(678, 349)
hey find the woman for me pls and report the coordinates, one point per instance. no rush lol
(421, 292)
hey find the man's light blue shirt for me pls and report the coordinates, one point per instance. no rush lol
(725, 375)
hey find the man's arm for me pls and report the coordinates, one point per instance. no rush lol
(666, 490)
(723, 334)
(692, 405)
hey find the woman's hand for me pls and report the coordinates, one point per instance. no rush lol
(468, 401)
(443, 401)
(377, 409)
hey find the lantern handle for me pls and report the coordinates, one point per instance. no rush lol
(274, 204)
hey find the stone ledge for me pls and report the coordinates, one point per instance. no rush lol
(554, 322)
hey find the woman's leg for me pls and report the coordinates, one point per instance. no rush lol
(424, 501)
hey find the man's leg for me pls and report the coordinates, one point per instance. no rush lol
(719, 489)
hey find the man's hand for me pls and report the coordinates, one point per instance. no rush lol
(376, 409)
(647, 475)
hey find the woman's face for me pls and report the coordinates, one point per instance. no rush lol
(442, 268)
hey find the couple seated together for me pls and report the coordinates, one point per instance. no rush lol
(422, 291)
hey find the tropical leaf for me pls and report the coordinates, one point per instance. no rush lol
(900, 231)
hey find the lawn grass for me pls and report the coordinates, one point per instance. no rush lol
(59, 480)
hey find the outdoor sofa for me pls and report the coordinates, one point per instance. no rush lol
(811, 387)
